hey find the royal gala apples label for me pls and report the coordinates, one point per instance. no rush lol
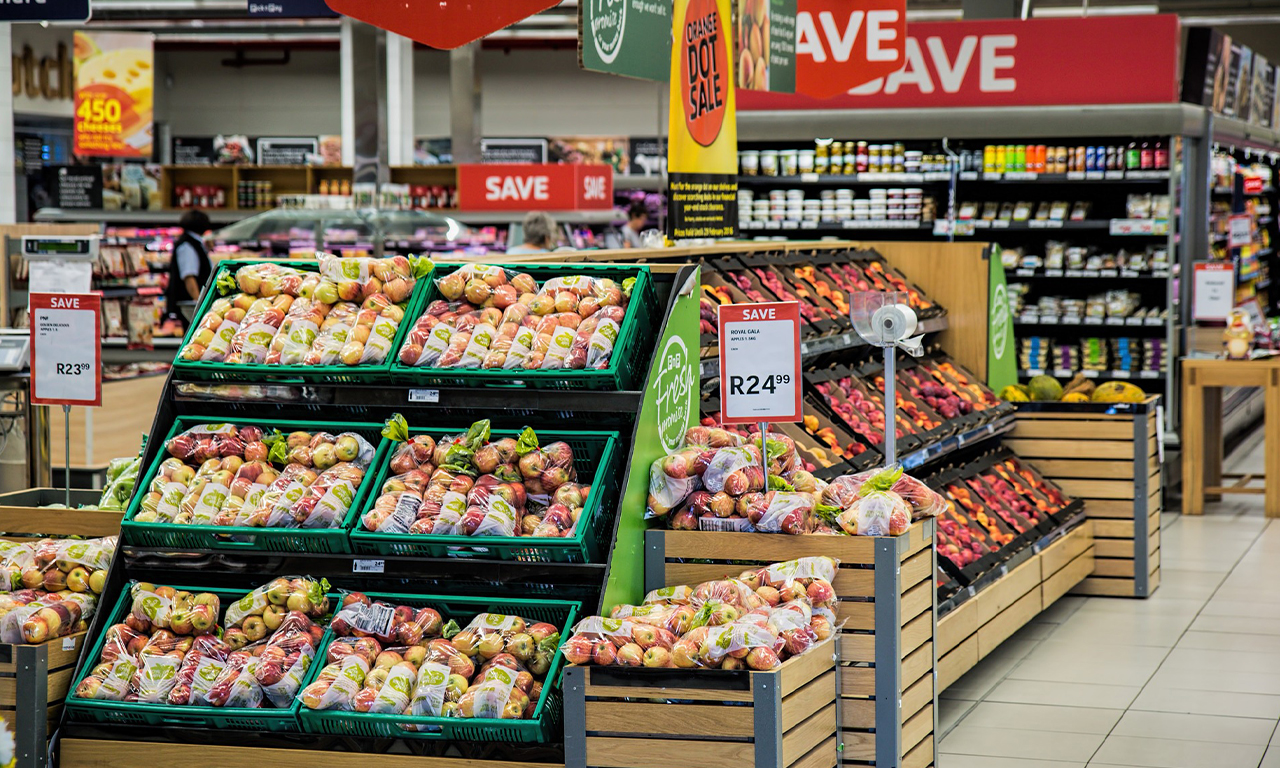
(702, 154)
(114, 74)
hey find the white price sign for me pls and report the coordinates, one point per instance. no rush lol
(1213, 290)
(66, 349)
(759, 362)
(1240, 231)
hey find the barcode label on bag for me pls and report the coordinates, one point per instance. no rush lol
(375, 619)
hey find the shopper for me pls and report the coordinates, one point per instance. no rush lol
(539, 234)
(637, 218)
(189, 269)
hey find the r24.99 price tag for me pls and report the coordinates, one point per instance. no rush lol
(759, 362)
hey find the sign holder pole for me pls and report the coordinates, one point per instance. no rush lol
(890, 407)
(66, 445)
(764, 457)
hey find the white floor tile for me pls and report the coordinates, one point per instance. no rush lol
(1168, 725)
(1231, 643)
(1167, 753)
(1249, 625)
(1159, 698)
(1271, 759)
(1039, 717)
(950, 711)
(1011, 742)
(986, 761)
(1064, 694)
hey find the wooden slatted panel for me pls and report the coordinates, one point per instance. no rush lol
(1068, 468)
(921, 756)
(1097, 489)
(807, 700)
(767, 547)
(106, 753)
(663, 720)
(1066, 549)
(858, 713)
(1001, 627)
(797, 741)
(917, 695)
(916, 601)
(609, 752)
(821, 756)
(917, 665)
(1120, 428)
(1071, 449)
(857, 681)
(1072, 574)
(855, 647)
(917, 728)
(961, 659)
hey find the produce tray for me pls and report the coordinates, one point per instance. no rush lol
(597, 459)
(135, 713)
(204, 370)
(547, 714)
(244, 538)
(627, 365)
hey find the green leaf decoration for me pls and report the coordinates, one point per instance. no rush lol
(226, 283)
(396, 429)
(881, 481)
(527, 442)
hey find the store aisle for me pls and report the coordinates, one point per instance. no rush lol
(1189, 678)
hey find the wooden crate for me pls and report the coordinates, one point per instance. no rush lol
(784, 718)
(888, 603)
(976, 627)
(107, 753)
(34, 680)
(1108, 455)
(22, 512)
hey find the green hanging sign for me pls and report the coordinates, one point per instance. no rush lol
(670, 407)
(1002, 361)
(626, 37)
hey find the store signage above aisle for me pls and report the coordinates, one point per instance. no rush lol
(45, 10)
(764, 45)
(759, 362)
(66, 349)
(702, 148)
(445, 25)
(625, 37)
(1213, 290)
(1002, 63)
(839, 47)
(505, 187)
(291, 9)
(114, 74)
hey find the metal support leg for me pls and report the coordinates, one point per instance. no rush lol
(767, 711)
(655, 559)
(888, 613)
(575, 717)
(1141, 569)
(31, 691)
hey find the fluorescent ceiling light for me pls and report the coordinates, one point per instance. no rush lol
(1095, 10)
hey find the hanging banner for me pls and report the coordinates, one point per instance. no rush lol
(516, 187)
(114, 74)
(1001, 63)
(841, 45)
(702, 151)
(626, 37)
(764, 45)
(446, 25)
(1002, 368)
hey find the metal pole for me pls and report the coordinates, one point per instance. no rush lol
(66, 436)
(890, 408)
(764, 456)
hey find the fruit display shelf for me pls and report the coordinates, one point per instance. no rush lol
(887, 606)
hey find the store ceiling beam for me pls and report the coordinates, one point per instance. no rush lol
(972, 122)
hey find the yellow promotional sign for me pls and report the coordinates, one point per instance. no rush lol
(115, 76)
(702, 152)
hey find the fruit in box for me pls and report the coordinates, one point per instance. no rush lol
(1118, 392)
(1045, 388)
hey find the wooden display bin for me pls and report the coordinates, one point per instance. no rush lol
(1107, 454)
(888, 603)
(34, 680)
(783, 718)
(23, 512)
(980, 624)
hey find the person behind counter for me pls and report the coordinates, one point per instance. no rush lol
(190, 268)
(539, 234)
(637, 218)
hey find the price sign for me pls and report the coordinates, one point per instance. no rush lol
(1240, 232)
(759, 362)
(1213, 290)
(66, 349)
(1253, 185)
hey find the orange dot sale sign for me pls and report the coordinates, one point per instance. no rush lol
(114, 74)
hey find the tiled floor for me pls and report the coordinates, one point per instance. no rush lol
(1189, 678)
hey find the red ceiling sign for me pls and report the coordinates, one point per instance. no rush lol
(841, 44)
(1107, 60)
(514, 187)
(442, 24)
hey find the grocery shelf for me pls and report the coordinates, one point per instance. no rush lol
(1092, 274)
(835, 225)
(1109, 177)
(710, 366)
(956, 442)
(1062, 373)
(1092, 322)
(164, 215)
(839, 179)
(161, 342)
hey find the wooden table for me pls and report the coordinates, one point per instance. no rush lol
(1202, 383)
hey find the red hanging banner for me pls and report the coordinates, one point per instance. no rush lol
(444, 24)
(1006, 63)
(841, 45)
(544, 187)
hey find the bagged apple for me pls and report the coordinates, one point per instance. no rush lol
(298, 332)
(304, 595)
(877, 511)
(194, 614)
(252, 340)
(497, 697)
(337, 685)
(109, 680)
(237, 686)
(360, 616)
(15, 559)
(782, 512)
(200, 668)
(48, 617)
(671, 479)
(490, 634)
(155, 678)
(213, 441)
(739, 645)
(212, 338)
(165, 492)
(436, 691)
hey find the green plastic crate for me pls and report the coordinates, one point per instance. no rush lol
(293, 374)
(461, 609)
(597, 459)
(626, 365)
(222, 537)
(134, 713)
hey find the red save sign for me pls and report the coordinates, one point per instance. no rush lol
(66, 349)
(515, 187)
(841, 45)
(443, 24)
(759, 362)
(1253, 185)
(1002, 63)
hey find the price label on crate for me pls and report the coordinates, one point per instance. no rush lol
(759, 362)
(66, 349)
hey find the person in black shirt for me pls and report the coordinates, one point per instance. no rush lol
(189, 269)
